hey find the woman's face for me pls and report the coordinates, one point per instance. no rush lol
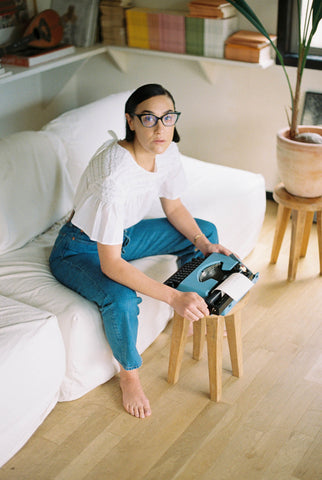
(154, 140)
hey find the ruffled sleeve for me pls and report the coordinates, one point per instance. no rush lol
(102, 217)
(100, 201)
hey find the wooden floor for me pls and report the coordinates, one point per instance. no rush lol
(267, 426)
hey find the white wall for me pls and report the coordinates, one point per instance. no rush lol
(232, 122)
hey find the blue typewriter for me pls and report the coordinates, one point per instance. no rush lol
(220, 279)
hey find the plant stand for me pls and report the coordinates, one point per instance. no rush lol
(302, 210)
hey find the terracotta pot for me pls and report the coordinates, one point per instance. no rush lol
(300, 164)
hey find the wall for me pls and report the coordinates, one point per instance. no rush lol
(232, 122)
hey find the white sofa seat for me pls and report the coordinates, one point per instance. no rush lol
(32, 367)
(26, 277)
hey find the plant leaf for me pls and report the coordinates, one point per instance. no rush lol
(317, 14)
(245, 10)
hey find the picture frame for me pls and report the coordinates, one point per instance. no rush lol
(312, 109)
(80, 19)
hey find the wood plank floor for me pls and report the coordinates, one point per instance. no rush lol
(266, 427)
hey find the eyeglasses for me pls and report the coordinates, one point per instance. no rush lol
(149, 120)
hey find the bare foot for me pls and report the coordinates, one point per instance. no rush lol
(134, 400)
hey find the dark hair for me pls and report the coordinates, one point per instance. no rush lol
(140, 95)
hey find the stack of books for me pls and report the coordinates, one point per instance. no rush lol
(206, 36)
(112, 21)
(209, 25)
(31, 56)
(178, 31)
(156, 29)
(247, 46)
(211, 9)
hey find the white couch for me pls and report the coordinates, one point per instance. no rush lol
(53, 347)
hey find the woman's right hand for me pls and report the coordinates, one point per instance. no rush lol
(189, 305)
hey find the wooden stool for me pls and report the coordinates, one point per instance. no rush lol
(302, 210)
(215, 334)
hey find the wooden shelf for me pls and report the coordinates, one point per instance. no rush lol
(52, 84)
(208, 65)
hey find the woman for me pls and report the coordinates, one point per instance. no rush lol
(92, 252)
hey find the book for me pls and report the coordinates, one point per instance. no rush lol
(250, 38)
(216, 32)
(34, 56)
(244, 53)
(154, 30)
(247, 46)
(79, 19)
(205, 9)
(172, 31)
(137, 27)
(112, 24)
(195, 35)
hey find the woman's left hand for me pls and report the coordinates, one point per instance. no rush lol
(207, 247)
(215, 248)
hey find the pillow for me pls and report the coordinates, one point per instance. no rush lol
(35, 189)
(84, 129)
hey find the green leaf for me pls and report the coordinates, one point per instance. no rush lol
(317, 14)
(245, 10)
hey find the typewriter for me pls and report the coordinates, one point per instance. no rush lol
(220, 279)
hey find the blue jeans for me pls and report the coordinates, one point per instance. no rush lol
(74, 261)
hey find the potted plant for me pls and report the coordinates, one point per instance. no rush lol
(299, 148)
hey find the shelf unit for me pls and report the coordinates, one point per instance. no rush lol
(52, 84)
(208, 65)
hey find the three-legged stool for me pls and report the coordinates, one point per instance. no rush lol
(302, 210)
(214, 324)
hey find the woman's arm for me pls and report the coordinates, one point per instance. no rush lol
(187, 304)
(184, 222)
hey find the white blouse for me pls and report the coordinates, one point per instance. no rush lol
(115, 193)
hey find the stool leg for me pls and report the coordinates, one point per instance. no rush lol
(283, 216)
(319, 228)
(233, 327)
(298, 223)
(178, 341)
(306, 234)
(199, 330)
(215, 332)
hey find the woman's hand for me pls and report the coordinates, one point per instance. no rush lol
(215, 248)
(189, 305)
(206, 247)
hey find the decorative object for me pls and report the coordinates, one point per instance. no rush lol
(295, 137)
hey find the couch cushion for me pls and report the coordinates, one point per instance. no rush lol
(32, 366)
(84, 129)
(35, 189)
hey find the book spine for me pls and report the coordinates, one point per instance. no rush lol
(216, 33)
(12, 59)
(137, 28)
(154, 30)
(194, 35)
(172, 33)
(241, 53)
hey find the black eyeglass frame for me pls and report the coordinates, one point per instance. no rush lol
(140, 115)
